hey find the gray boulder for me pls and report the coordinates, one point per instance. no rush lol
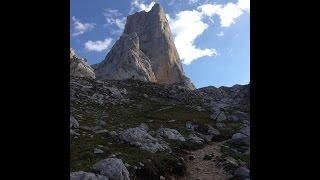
(140, 138)
(238, 116)
(190, 126)
(221, 117)
(241, 140)
(73, 122)
(213, 131)
(195, 139)
(81, 175)
(242, 172)
(245, 130)
(113, 168)
(170, 134)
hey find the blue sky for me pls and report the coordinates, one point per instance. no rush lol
(212, 36)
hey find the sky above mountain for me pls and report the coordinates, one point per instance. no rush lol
(212, 36)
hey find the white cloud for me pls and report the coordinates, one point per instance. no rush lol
(227, 13)
(244, 5)
(193, 1)
(185, 33)
(220, 34)
(98, 46)
(80, 28)
(188, 25)
(114, 17)
(209, 9)
(140, 6)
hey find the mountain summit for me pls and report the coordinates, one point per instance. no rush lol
(145, 51)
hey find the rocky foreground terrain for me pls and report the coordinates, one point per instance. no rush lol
(135, 115)
(142, 130)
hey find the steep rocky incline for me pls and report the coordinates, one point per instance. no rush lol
(237, 96)
(151, 55)
(126, 61)
(79, 66)
(133, 129)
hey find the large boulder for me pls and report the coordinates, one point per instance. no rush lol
(140, 138)
(242, 173)
(113, 168)
(81, 175)
(170, 134)
(239, 116)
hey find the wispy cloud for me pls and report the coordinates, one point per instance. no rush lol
(98, 46)
(184, 23)
(227, 13)
(80, 28)
(141, 6)
(185, 33)
(114, 17)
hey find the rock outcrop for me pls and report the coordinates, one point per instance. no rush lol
(170, 134)
(145, 51)
(140, 138)
(79, 66)
(81, 175)
(126, 61)
(113, 168)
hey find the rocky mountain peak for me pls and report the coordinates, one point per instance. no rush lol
(154, 47)
(79, 66)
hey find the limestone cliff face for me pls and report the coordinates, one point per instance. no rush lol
(79, 67)
(156, 46)
(126, 61)
(157, 42)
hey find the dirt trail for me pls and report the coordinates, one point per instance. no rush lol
(200, 169)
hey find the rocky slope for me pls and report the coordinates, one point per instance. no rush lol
(129, 129)
(145, 51)
(79, 66)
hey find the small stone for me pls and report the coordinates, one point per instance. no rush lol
(97, 151)
(112, 156)
(141, 164)
(101, 131)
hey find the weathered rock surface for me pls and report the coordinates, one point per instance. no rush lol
(113, 168)
(239, 116)
(170, 134)
(139, 137)
(195, 139)
(126, 61)
(73, 122)
(213, 131)
(237, 96)
(81, 175)
(242, 173)
(145, 51)
(79, 66)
